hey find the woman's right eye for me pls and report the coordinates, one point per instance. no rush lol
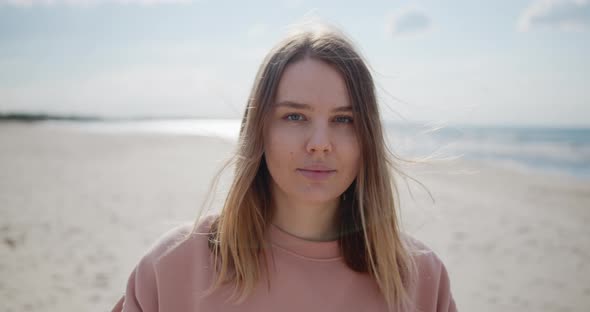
(294, 117)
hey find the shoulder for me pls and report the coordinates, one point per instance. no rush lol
(177, 237)
(166, 258)
(427, 261)
(432, 285)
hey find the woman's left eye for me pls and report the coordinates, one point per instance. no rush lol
(343, 119)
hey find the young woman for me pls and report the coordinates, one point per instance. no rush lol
(310, 220)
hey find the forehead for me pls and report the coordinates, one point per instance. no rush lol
(314, 83)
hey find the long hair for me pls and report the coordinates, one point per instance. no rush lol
(370, 236)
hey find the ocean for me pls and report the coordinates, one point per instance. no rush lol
(555, 150)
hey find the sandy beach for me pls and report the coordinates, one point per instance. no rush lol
(79, 209)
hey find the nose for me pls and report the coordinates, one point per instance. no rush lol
(319, 140)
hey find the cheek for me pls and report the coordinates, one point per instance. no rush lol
(280, 147)
(351, 153)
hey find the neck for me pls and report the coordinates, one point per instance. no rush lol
(316, 221)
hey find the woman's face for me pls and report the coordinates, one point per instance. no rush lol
(310, 145)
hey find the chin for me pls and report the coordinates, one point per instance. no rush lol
(317, 196)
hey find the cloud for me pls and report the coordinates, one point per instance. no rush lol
(408, 21)
(568, 15)
(31, 3)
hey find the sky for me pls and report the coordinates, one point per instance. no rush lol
(509, 62)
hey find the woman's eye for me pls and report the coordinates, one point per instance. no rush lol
(294, 117)
(344, 119)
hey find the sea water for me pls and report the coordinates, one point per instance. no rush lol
(560, 150)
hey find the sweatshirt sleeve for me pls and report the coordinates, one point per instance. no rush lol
(433, 288)
(141, 294)
(445, 303)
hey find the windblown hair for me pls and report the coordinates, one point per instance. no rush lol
(370, 237)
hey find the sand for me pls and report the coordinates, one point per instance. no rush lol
(79, 209)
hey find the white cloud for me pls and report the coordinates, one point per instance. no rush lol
(565, 15)
(31, 3)
(408, 21)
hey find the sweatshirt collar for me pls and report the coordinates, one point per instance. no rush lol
(312, 250)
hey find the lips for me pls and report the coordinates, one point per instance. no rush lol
(316, 173)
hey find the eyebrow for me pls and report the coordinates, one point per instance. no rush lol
(296, 105)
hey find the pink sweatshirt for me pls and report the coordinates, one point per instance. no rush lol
(305, 276)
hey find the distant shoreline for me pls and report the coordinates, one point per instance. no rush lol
(45, 117)
(37, 117)
(34, 117)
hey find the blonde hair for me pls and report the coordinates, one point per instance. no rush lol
(370, 237)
